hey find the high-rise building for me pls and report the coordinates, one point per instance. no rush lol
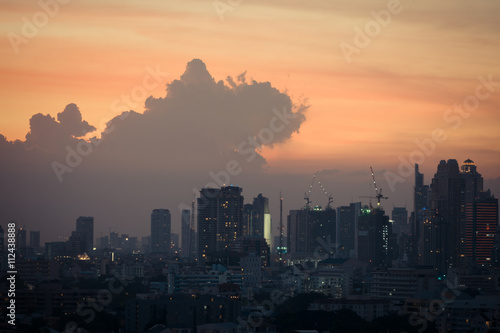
(310, 229)
(377, 245)
(174, 243)
(297, 231)
(21, 238)
(160, 231)
(400, 218)
(186, 233)
(473, 181)
(421, 196)
(480, 228)
(35, 239)
(229, 216)
(347, 226)
(207, 222)
(262, 219)
(85, 229)
(248, 219)
(447, 204)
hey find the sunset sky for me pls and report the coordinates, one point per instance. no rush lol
(366, 108)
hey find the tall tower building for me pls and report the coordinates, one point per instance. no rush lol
(186, 232)
(160, 231)
(376, 241)
(229, 216)
(297, 231)
(248, 219)
(35, 239)
(85, 230)
(481, 223)
(447, 202)
(310, 229)
(400, 218)
(262, 219)
(347, 228)
(21, 238)
(421, 197)
(473, 181)
(207, 222)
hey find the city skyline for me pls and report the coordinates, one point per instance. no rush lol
(333, 100)
(250, 166)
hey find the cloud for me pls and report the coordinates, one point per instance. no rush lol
(201, 123)
(147, 160)
(48, 135)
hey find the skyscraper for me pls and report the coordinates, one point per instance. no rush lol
(375, 238)
(297, 231)
(207, 222)
(248, 219)
(262, 219)
(229, 216)
(220, 219)
(473, 181)
(160, 231)
(347, 226)
(186, 232)
(310, 229)
(85, 230)
(421, 196)
(35, 239)
(447, 200)
(21, 238)
(400, 218)
(480, 228)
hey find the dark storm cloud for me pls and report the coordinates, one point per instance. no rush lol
(143, 161)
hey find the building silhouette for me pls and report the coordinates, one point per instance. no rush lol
(447, 200)
(376, 241)
(421, 197)
(257, 219)
(229, 216)
(207, 222)
(35, 239)
(309, 229)
(347, 228)
(160, 231)
(85, 232)
(400, 217)
(186, 233)
(481, 223)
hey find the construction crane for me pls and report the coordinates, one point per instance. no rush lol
(308, 193)
(329, 196)
(378, 193)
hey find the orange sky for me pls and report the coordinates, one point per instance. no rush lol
(366, 112)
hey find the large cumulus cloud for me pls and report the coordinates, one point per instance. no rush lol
(143, 160)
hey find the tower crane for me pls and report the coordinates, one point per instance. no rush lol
(329, 196)
(308, 193)
(378, 192)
